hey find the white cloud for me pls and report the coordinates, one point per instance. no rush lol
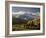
(37, 14)
(17, 14)
(20, 12)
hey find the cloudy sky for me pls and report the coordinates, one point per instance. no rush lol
(23, 10)
(17, 11)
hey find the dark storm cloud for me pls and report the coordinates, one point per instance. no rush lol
(26, 9)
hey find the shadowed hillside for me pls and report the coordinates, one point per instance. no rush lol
(19, 24)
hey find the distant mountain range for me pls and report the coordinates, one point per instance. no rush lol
(20, 18)
(27, 16)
